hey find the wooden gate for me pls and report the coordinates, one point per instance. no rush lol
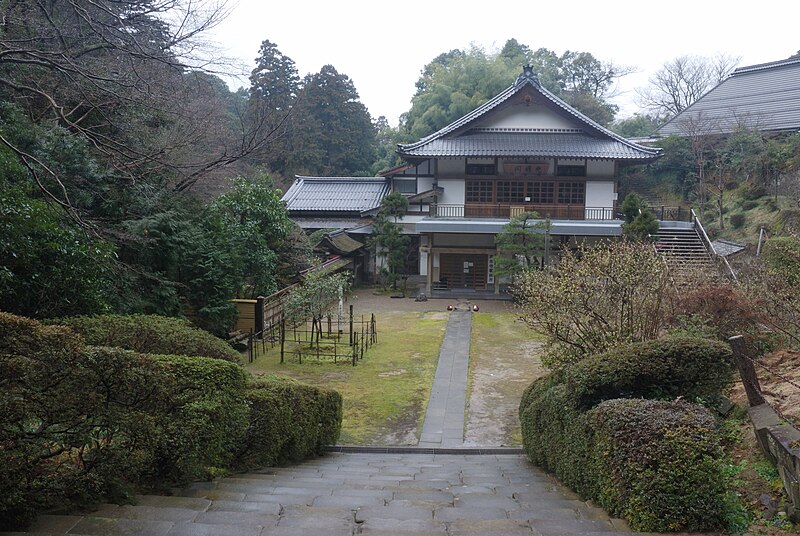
(464, 270)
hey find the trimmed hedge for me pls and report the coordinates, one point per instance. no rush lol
(289, 421)
(82, 424)
(556, 436)
(150, 334)
(658, 464)
(201, 419)
(692, 368)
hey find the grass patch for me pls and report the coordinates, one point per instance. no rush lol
(386, 395)
(504, 360)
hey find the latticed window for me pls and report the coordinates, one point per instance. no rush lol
(541, 192)
(571, 171)
(572, 193)
(479, 191)
(481, 169)
(510, 191)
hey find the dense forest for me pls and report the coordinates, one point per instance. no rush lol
(132, 179)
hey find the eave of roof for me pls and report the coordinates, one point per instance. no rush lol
(495, 226)
(519, 143)
(526, 80)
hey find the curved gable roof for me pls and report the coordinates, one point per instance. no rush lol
(589, 139)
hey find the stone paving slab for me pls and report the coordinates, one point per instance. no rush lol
(99, 526)
(444, 417)
(199, 529)
(493, 495)
(409, 526)
(504, 527)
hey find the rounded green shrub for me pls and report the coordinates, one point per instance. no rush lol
(656, 463)
(202, 418)
(737, 220)
(289, 422)
(151, 334)
(668, 368)
(82, 424)
(659, 464)
(555, 434)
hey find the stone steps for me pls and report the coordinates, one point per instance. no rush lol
(358, 493)
(683, 249)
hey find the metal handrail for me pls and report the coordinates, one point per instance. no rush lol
(701, 230)
(699, 226)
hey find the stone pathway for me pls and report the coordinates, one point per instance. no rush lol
(444, 418)
(348, 494)
(439, 487)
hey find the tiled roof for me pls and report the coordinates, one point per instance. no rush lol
(765, 97)
(519, 144)
(335, 195)
(726, 248)
(340, 242)
(527, 80)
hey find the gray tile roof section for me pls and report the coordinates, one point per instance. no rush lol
(526, 81)
(335, 195)
(726, 248)
(520, 144)
(765, 97)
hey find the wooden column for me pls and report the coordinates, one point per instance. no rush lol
(746, 370)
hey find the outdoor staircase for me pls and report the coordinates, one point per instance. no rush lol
(344, 494)
(683, 249)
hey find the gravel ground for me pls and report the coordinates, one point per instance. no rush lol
(367, 300)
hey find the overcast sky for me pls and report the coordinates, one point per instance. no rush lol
(383, 46)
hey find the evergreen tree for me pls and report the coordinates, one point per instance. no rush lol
(387, 240)
(521, 245)
(640, 223)
(333, 133)
(274, 85)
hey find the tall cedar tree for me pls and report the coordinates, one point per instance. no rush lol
(332, 130)
(274, 85)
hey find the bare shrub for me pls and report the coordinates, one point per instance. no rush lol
(595, 299)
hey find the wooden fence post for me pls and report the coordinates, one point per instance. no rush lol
(746, 370)
(250, 344)
(259, 317)
(351, 324)
(283, 335)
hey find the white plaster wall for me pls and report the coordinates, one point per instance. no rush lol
(600, 194)
(424, 184)
(451, 167)
(600, 168)
(522, 116)
(454, 193)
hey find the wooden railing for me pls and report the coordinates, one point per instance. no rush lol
(507, 210)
